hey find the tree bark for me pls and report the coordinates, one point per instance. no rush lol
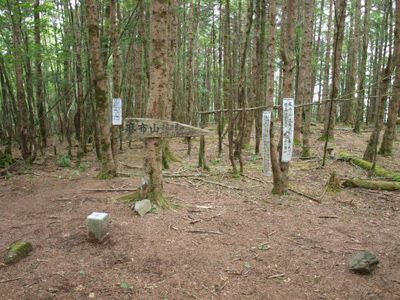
(281, 169)
(306, 78)
(340, 16)
(390, 131)
(362, 70)
(40, 101)
(108, 168)
(116, 71)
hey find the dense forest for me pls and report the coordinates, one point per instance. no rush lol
(199, 63)
(199, 149)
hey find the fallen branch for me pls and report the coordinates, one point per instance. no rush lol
(372, 184)
(218, 183)
(366, 165)
(276, 276)
(132, 167)
(255, 178)
(306, 196)
(182, 175)
(204, 231)
(109, 190)
(8, 280)
(328, 217)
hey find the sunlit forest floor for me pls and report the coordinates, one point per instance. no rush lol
(229, 241)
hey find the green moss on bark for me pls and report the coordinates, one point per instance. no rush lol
(17, 251)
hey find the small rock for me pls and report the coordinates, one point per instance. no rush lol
(363, 262)
(143, 207)
(91, 295)
(17, 251)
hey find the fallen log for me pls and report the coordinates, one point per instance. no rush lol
(372, 184)
(366, 165)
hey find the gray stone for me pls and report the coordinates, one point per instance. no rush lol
(363, 262)
(143, 207)
(97, 226)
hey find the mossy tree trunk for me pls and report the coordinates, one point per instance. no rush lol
(108, 167)
(158, 101)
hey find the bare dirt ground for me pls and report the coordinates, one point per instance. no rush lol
(258, 246)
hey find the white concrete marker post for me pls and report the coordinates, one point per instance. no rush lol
(266, 136)
(97, 226)
(287, 129)
(117, 111)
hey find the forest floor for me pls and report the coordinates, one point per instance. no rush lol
(258, 246)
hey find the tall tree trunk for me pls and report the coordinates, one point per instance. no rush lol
(159, 85)
(261, 91)
(325, 90)
(318, 55)
(108, 167)
(228, 83)
(349, 107)
(115, 32)
(306, 91)
(340, 16)
(7, 109)
(80, 109)
(40, 101)
(362, 70)
(281, 169)
(382, 88)
(271, 54)
(22, 120)
(394, 106)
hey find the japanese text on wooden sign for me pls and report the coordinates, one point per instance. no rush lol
(153, 128)
(287, 129)
(266, 136)
(117, 111)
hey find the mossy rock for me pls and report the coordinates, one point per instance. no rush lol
(16, 251)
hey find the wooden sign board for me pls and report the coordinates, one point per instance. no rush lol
(266, 138)
(117, 111)
(153, 128)
(287, 129)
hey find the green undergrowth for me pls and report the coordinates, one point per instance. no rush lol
(324, 137)
(64, 161)
(6, 160)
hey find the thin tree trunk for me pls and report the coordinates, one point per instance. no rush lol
(362, 70)
(116, 71)
(325, 90)
(340, 16)
(40, 101)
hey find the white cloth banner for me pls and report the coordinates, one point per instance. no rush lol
(117, 111)
(287, 129)
(266, 138)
